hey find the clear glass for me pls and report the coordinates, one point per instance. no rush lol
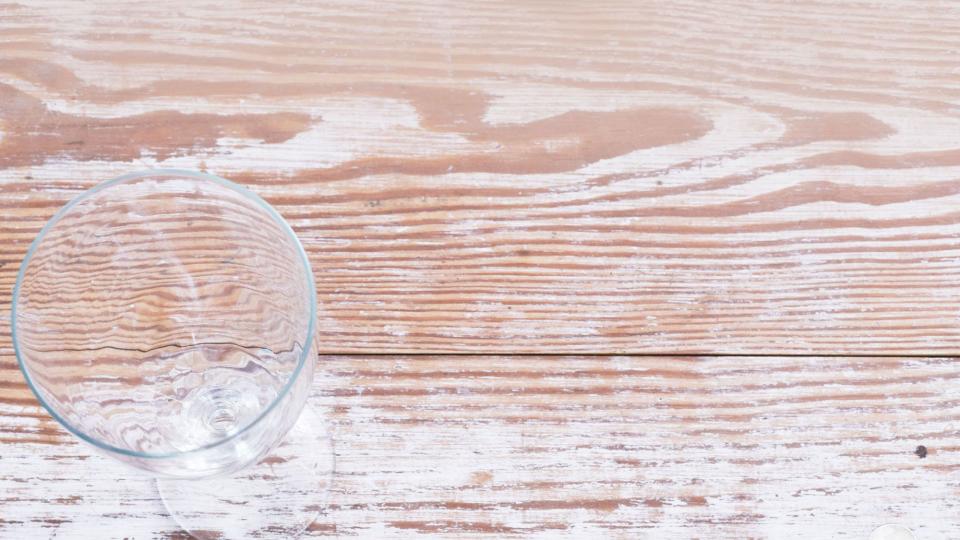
(168, 318)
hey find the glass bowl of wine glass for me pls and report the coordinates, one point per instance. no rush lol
(168, 318)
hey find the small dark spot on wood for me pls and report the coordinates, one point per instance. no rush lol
(921, 451)
(659, 182)
(29, 177)
(273, 460)
(74, 143)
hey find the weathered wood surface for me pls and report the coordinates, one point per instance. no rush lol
(715, 178)
(637, 177)
(559, 447)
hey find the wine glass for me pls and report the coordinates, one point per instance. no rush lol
(167, 318)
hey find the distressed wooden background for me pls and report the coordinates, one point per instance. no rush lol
(586, 269)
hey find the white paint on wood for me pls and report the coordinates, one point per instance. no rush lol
(570, 448)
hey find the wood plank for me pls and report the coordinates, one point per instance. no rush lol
(615, 177)
(567, 447)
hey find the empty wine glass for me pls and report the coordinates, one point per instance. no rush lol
(167, 318)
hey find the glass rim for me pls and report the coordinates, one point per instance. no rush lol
(194, 175)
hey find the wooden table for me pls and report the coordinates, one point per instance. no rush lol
(585, 270)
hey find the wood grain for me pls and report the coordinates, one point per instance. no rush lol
(540, 179)
(628, 177)
(567, 447)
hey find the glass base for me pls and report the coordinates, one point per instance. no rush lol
(277, 498)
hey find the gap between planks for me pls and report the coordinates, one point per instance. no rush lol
(637, 355)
